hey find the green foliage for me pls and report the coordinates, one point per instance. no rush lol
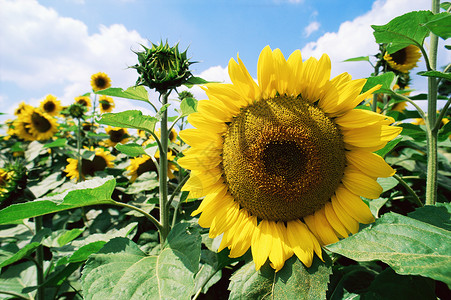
(386, 80)
(133, 92)
(436, 74)
(129, 119)
(131, 149)
(439, 25)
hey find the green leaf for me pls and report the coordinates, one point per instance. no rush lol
(438, 215)
(11, 253)
(56, 143)
(437, 74)
(386, 80)
(13, 280)
(188, 106)
(390, 145)
(293, 281)
(129, 119)
(387, 183)
(58, 277)
(120, 270)
(440, 25)
(360, 58)
(83, 252)
(445, 5)
(403, 31)
(414, 131)
(409, 246)
(136, 93)
(145, 182)
(90, 192)
(376, 204)
(193, 80)
(49, 183)
(131, 149)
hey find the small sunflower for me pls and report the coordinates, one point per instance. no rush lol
(21, 108)
(172, 137)
(117, 135)
(100, 81)
(102, 159)
(21, 130)
(143, 164)
(51, 105)
(88, 126)
(106, 104)
(282, 163)
(405, 59)
(39, 124)
(84, 101)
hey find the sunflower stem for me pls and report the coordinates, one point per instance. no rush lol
(432, 132)
(409, 189)
(374, 104)
(163, 174)
(79, 151)
(39, 261)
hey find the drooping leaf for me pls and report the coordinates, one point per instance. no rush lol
(409, 246)
(386, 80)
(90, 192)
(404, 30)
(437, 74)
(440, 25)
(390, 145)
(188, 106)
(129, 119)
(136, 93)
(120, 270)
(293, 281)
(131, 149)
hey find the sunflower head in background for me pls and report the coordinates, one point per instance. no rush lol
(40, 125)
(84, 101)
(116, 135)
(106, 104)
(51, 105)
(404, 59)
(144, 164)
(13, 180)
(172, 136)
(100, 81)
(282, 163)
(101, 160)
(21, 108)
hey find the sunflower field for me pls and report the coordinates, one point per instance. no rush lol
(293, 185)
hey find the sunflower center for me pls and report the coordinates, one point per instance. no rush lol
(89, 167)
(83, 102)
(40, 123)
(282, 158)
(105, 105)
(100, 82)
(146, 166)
(49, 106)
(116, 135)
(400, 56)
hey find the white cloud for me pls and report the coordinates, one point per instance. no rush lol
(45, 50)
(311, 28)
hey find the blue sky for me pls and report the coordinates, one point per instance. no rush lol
(53, 47)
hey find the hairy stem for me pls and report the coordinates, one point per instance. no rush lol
(409, 189)
(163, 174)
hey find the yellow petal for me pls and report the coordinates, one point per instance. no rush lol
(295, 64)
(224, 219)
(205, 125)
(277, 255)
(261, 243)
(354, 205)
(339, 99)
(199, 184)
(266, 73)
(361, 184)
(214, 110)
(283, 72)
(229, 236)
(315, 75)
(201, 163)
(349, 222)
(210, 212)
(323, 228)
(218, 192)
(195, 137)
(334, 221)
(300, 241)
(311, 224)
(356, 118)
(243, 237)
(370, 136)
(243, 81)
(369, 163)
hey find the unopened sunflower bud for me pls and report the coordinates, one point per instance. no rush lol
(77, 110)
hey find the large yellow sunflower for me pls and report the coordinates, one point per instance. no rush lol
(51, 105)
(143, 164)
(100, 81)
(83, 101)
(101, 160)
(106, 104)
(39, 124)
(117, 135)
(405, 59)
(282, 163)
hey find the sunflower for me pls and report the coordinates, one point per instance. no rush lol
(38, 124)
(282, 163)
(102, 159)
(405, 59)
(84, 101)
(172, 137)
(21, 108)
(117, 135)
(143, 164)
(100, 81)
(106, 104)
(51, 105)
(21, 130)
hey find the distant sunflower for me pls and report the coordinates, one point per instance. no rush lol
(282, 163)
(21, 108)
(106, 104)
(143, 164)
(51, 105)
(84, 101)
(39, 124)
(116, 135)
(405, 59)
(102, 159)
(100, 81)
(21, 130)
(172, 137)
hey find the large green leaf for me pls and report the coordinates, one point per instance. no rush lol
(188, 106)
(440, 25)
(136, 93)
(409, 246)
(90, 192)
(49, 183)
(404, 30)
(131, 149)
(438, 215)
(129, 119)
(120, 270)
(10, 253)
(386, 80)
(437, 74)
(293, 281)
(14, 280)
